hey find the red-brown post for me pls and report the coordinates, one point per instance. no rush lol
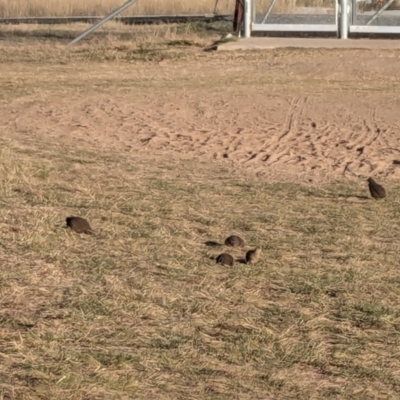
(238, 17)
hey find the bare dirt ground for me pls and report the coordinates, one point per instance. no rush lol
(165, 147)
(256, 110)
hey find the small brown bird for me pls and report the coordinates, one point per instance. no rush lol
(377, 191)
(225, 259)
(79, 225)
(252, 256)
(234, 241)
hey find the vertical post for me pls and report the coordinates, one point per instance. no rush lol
(238, 17)
(247, 18)
(353, 12)
(344, 19)
(336, 10)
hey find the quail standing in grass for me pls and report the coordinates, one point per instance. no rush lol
(225, 259)
(79, 225)
(234, 241)
(252, 256)
(377, 191)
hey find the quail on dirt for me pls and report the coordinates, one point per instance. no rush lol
(79, 225)
(225, 259)
(377, 191)
(234, 241)
(253, 256)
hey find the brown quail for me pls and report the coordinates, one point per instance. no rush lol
(252, 256)
(225, 259)
(79, 225)
(234, 241)
(377, 191)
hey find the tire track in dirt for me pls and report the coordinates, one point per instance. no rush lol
(361, 140)
(276, 147)
(292, 134)
(296, 138)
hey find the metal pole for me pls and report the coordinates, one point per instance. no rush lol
(344, 19)
(268, 11)
(103, 21)
(247, 18)
(336, 10)
(353, 12)
(379, 12)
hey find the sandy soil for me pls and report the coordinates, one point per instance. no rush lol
(284, 116)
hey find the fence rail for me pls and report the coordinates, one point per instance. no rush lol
(129, 20)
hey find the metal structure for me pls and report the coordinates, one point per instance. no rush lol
(103, 21)
(248, 15)
(362, 22)
(309, 23)
(341, 22)
(344, 12)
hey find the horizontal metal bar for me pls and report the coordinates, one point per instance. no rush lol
(374, 29)
(295, 27)
(136, 19)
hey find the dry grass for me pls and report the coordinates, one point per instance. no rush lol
(141, 311)
(112, 41)
(35, 8)
(102, 7)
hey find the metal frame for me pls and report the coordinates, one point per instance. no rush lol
(263, 27)
(345, 21)
(372, 29)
